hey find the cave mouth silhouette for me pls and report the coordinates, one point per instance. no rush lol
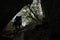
(10, 8)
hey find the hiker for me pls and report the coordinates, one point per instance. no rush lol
(17, 23)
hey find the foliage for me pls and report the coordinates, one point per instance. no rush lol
(32, 13)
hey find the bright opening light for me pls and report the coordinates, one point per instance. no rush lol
(24, 10)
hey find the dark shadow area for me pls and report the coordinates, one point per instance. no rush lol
(51, 10)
